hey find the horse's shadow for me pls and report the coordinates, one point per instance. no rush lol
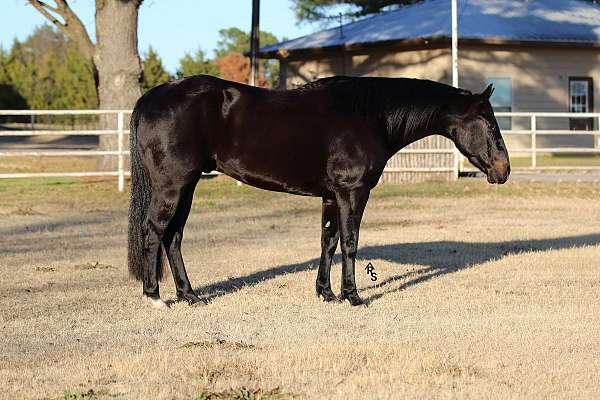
(439, 258)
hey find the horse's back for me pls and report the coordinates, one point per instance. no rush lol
(278, 140)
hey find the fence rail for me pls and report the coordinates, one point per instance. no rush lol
(533, 150)
(120, 153)
(122, 150)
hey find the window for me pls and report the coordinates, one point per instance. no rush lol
(581, 100)
(580, 93)
(501, 99)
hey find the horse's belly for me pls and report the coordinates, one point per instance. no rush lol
(278, 180)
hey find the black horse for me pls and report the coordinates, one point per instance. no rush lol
(330, 138)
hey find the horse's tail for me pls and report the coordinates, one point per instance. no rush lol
(138, 207)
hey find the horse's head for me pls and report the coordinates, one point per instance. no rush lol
(475, 132)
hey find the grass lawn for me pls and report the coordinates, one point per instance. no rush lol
(482, 292)
(558, 161)
(47, 164)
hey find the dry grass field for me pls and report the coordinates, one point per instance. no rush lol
(483, 292)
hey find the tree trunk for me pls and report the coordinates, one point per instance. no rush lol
(118, 64)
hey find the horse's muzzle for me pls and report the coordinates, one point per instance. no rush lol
(499, 172)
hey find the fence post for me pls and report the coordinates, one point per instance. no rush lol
(597, 135)
(121, 172)
(533, 142)
(457, 162)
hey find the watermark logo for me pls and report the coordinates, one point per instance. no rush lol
(371, 271)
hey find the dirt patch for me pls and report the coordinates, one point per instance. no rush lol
(220, 343)
(93, 265)
(245, 394)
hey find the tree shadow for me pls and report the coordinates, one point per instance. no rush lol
(439, 258)
(25, 238)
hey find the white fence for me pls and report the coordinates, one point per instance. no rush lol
(120, 152)
(534, 133)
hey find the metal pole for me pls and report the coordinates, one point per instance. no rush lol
(121, 172)
(254, 42)
(454, 43)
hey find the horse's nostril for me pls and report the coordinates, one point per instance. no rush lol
(501, 166)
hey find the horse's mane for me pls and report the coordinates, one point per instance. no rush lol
(322, 82)
(405, 105)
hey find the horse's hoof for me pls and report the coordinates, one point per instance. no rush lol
(353, 298)
(156, 302)
(190, 298)
(327, 294)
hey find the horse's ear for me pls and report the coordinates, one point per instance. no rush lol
(464, 102)
(487, 93)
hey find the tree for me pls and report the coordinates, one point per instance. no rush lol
(329, 10)
(114, 57)
(74, 85)
(48, 71)
(10, 98)
(18, 72)
(235, 40)
(235, 67)
(154, 71)
(43, 40)
(196, 64)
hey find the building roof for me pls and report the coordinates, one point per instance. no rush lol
(536, 21)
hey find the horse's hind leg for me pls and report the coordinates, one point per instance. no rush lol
(162, 208)
(330, 235)
(172, 243)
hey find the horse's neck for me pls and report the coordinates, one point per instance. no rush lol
(402, 138)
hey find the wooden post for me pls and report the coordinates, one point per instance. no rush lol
(533, 142)
(121, 171)
(597, 136)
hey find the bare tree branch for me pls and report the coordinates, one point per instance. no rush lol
(70, 26)
(48, 6)
(43, 9)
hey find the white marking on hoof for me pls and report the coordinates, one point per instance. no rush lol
(156, 303)
(327, 224)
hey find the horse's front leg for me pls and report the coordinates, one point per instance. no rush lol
(330, 235)
(351, 205)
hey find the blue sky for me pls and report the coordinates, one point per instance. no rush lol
(172, 27)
